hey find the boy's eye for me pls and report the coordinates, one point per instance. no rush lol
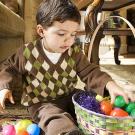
(61, 34)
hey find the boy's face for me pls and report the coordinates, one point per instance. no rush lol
(60, 36)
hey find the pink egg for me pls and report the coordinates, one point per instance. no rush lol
(8, 130)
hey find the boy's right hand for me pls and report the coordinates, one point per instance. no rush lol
(5, 94)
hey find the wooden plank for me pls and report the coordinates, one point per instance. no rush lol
(120, 32)
(116, 4)
(11, 24)
(108, 5)
(81, 3)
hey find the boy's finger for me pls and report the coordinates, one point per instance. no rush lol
(11, 99)
(125, 97)
(131, 96)
(112, 99)
(3, 103)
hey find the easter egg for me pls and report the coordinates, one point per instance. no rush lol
(9, 130)
(33, 129)
(132, 113)
(22, 132)
(106, 107)
(99, 98)
(119, 101)
(130, 107)
(117, 112)
(22, 125)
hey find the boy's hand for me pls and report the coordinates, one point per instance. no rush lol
(115, 90)
(5, 94)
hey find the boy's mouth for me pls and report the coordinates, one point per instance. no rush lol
(64, 47)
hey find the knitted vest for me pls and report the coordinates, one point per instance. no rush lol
(44, 82)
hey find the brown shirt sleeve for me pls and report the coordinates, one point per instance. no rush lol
(11, 70)
(91, 74)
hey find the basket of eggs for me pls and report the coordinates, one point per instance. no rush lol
(97, 116)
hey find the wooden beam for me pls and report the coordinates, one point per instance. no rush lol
(114, 31)
(81, 3)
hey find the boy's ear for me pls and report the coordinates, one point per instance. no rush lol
(40, 30)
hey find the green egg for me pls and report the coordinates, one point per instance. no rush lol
(132, 113)
(130, 107)
(119, 102)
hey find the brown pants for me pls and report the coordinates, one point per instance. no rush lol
(56, 117)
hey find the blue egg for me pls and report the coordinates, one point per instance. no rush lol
(33, 129)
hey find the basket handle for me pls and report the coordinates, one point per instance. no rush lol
(99, 26)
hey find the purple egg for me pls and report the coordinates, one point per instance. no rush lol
(9, 130)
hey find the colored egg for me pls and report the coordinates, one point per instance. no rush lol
(132, 113)
(117, 112)
(9, 130)
(33, 129)
(106, 107)
(119, 101)
(130, 107)
(22, 125)
(99, 98)
(22, 132)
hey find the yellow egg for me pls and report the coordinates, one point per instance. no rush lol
(22, 125)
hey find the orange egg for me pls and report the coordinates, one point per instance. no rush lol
(118, 112)
(22, 132)
(106, 107)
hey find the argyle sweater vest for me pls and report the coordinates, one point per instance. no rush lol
(44, 80)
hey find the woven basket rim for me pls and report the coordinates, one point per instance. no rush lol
(98, 114)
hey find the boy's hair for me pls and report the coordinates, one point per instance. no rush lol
(50, 11)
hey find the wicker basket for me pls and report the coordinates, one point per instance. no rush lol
(92, 123)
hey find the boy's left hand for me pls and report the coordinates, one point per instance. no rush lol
(115, 90)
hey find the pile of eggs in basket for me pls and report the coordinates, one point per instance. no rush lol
(22, 127)
(119, 109)
(103, 105)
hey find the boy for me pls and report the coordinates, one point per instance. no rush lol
(50, 67)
